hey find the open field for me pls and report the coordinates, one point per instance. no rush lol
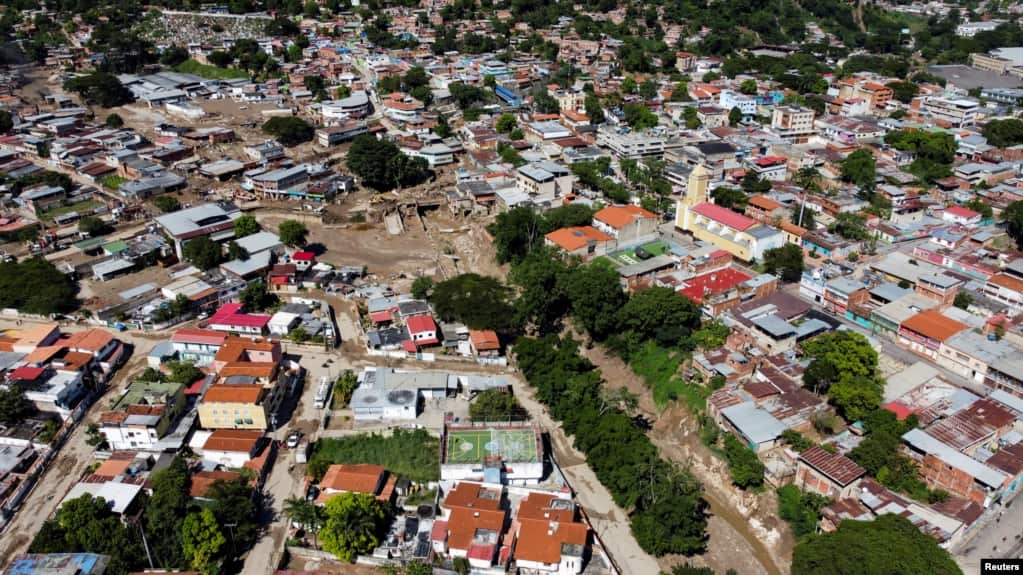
(474, 445)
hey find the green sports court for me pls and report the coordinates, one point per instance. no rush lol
(472, 445)
(629, 257)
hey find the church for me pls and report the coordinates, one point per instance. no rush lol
(743, 237)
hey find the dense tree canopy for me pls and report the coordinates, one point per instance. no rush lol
(1013, 218)
(355, 524)
(844, 365)
(289, 130)
(496, 405)
(100, 89)
(382, 166)
(888, 544)
(1004, 133)
(860, 168)
(245, 226)
(87, 525)
(481, 302)
(786, 262)
(36, 286)
(293, 233)
(203, 253)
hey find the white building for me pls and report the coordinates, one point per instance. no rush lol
(731, 99)
(957, 111)
(434, 154)
(338, 111)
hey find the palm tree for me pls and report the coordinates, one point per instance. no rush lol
(808, 178)
(306, 514)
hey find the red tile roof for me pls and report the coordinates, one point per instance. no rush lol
(232, 316)
(724, 216)
(203, 336)
(360, 478)
(712, 283)
(240, 440)
(303, 256)
(961, 212)
(26, 373)
(233, 394)
(421, 324)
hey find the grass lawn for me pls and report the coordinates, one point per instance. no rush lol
(81, 207)
(412, 454)
(659, 369)
(112, 181)
(210, 71)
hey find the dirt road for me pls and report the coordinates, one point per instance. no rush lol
(70, 463)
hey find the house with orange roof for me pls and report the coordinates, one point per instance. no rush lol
(232, 448)
(372, 480)
(33, 336)
(106, 351)
(143, 415)
(626, 224)
(925, 332)
(202, 481)
(472, 526)
(764, 209)
(549, 538)
(237, 406)
(586, 242)
(485, 344)
(1006, 289)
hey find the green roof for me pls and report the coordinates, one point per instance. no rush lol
(115, 247)
(89, 244)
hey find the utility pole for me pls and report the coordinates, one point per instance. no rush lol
(145, 544)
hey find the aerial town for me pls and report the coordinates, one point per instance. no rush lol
(534, 287)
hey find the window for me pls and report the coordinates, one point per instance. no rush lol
(248, 420)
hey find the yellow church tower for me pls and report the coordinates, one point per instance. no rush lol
(696, 193)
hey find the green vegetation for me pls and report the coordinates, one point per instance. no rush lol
(245, 226)
(888, 544)
(480, 302)
(422, 286)
(87, 525)
(1004, 133)
(786, 262)
(293, 233)
(100, 89)
(800, 509)
(879, 454)
(36, 286)
(203, 253)
(935, 152)
(1013, 218)
(731, 198)
(844, 366)
(14, 406)
(343, 389)
(413, 454)
(167, 204)
(289, 130)
(639, 117)
(860, 168)
(497, 405)
(355, 523)
(666, 511)
(746, 469)
(256, 298)
(82, 207)
(382, 166)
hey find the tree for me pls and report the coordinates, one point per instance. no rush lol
(100, 89)
(293, 233)
(94, 226)
(748, 87)
(851, 226)
(888, 544)
(1013, 218)
(753, 184)
(421, 287)
(860, 168)
(355, 524)
(114, 120)
(731, 198)
(202, 252)
(289, 130)
(596, 296)
(256, 298)
(167, 204)
(544, 103)
(36, 286)
(743, 464)
(6, 122)
(844, 365)
(981, 207)
(734, 116)
(542, 302)
(648, 89)
(517, 231)
(506, 123)
(236, 251)
(480, 302)
(165, 512)
(201, 541)
(232, 503)
(1004, 133)
(496, 405)
(382, 166)
(220, 58)
(808, 178)
(14, 406)
(184, 372)
(305, 514)
(659, 313)
(87, 525)
(801, 510)
(786, 262)
(594, 109)
(963, 300)
(245, 226)
(904, 91)
(639, 117)
(691, 118)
